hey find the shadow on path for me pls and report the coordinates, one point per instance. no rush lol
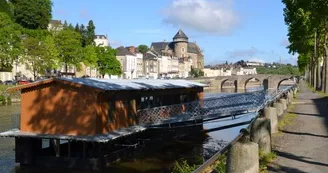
(300, 133)
(299, 158)
(279, 168)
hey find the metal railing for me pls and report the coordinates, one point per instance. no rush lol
(203, 109)
(271, 97)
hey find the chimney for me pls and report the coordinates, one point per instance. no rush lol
(131, 49)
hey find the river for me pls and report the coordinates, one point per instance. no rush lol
(194, 148)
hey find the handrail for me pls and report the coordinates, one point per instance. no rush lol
(215, 157)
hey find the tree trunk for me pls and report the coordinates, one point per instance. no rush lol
(326, 62)
(323, 75)
(314, 75)
(318, 75)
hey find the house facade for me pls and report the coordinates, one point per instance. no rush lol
(128, 62)
(101, 40)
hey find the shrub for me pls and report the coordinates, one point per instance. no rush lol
(9, 100)
(183, 167)
(2, 100)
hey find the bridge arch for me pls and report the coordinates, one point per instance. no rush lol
(283, 79)
(250, 78)
(223, 81)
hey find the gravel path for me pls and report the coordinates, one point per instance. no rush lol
(303, 146)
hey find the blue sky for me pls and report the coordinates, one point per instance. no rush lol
(227, 30)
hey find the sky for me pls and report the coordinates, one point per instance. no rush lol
(226, 30)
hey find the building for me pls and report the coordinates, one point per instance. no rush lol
(101, 40)
(78, 122)
(254, 64)
(128, 62)
(180, 47)
(55, 25)
(140, 66)
(184, 67)
(213, 72)
(151, 66)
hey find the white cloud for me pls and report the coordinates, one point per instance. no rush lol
(217, 17)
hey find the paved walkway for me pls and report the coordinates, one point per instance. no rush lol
(303, 146)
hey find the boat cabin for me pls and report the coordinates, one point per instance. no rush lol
(87, 106)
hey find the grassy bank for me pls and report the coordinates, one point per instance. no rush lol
(7, 98)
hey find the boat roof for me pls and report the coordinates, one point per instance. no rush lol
(118, 84)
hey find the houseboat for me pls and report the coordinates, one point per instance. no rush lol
(76, 122)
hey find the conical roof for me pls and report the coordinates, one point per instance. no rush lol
(180, 34)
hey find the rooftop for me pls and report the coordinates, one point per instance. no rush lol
(118, 84)
(180, 34)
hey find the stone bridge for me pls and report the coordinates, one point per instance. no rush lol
(240, 81)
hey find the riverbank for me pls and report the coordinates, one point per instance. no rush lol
(302, 146)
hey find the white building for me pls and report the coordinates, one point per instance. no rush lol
(208, 72)
(128, 62)
(254, 64)
(174, 71)
(101, 40)
(184, 67)
(140, 72)
(55, 25)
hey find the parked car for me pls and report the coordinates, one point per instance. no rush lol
(9, 82)
(22, 82)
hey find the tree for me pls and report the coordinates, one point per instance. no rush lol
(5, 8)
(90, 34)
(107, 62)
(90, 57)
(143, 48)
(307, 23)
(83, 34)
(65, 24)
(32, 14)
(10, 42)
(77, 28)
(196, 72)
(68, 44)
(40, 54)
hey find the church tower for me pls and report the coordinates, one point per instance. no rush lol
(180, 41)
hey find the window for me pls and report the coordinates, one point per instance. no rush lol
(182, 49)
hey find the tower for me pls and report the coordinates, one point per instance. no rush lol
(180, 41)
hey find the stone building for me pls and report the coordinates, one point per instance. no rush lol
(180, 47)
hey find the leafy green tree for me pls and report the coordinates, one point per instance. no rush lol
(83, 34)
(10, 42)
(77, 28)
(196, 72)
(90, 33)
(68, 44)
(32, 14)
(143, 48)
(107, 62)
(40, 54)
(307, 21)
(65, 24)
(90, 57)
(5, 8)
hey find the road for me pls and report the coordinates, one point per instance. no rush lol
(303, 146)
